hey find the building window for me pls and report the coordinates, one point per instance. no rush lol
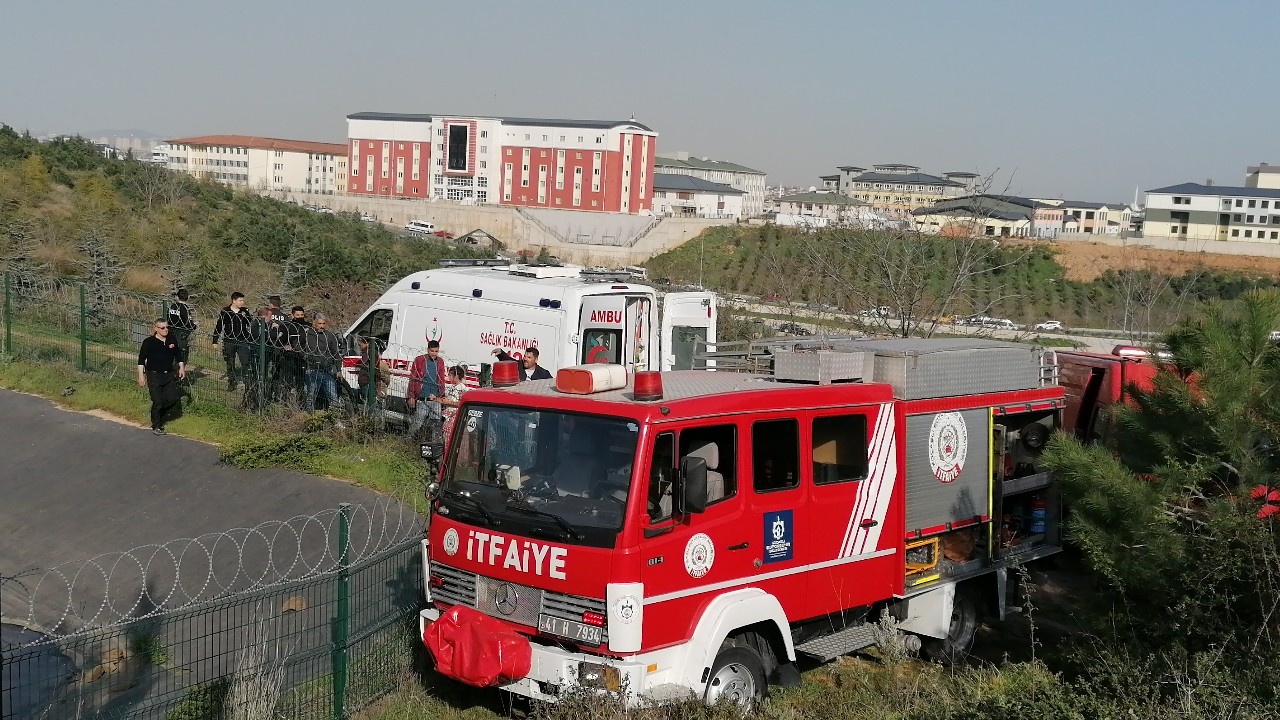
(1248, 218)
(577, 201)
(1236, 217)
(506, 197)
(1239, 202)
(1253, 203)
(508, 152)
(1248, 233)
(1235, 233)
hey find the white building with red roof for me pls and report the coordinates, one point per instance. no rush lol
(261, 163)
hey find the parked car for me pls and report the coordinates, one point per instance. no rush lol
(420, 227)
(883, 311)
(999, 324)
(973, 320)
(791, 328)
(1050, 326)
(445, 234)
(368, 217)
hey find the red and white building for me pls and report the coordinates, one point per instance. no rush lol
(599, 165)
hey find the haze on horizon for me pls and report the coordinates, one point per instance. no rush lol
(1087, 100)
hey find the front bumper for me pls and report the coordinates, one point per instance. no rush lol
(553, 671)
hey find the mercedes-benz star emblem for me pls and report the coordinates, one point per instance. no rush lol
(505, 598)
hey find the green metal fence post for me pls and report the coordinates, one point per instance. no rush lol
(260, 365)
(84, 334)
(8, 313)
(342, 619)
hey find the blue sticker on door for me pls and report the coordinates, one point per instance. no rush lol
(778, 535)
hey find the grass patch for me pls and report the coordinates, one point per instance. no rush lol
(307, 443)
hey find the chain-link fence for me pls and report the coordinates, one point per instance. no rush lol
(307, 618)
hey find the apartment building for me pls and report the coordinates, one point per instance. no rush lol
(259, 163)
(750, 181)
(597, 165)
(896, 190)
(690, 196)
(1092, 218)
(1262, 175)
(995, 215)
(1192, 211)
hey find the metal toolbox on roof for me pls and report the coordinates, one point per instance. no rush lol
(821, 366)
(963, 366)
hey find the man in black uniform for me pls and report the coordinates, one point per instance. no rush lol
(182, 323)
(234, 329)
(157, 358)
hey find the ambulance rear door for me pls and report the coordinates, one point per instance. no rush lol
(688, 329)
(616, 329)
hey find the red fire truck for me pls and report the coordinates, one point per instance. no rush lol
(691, 533)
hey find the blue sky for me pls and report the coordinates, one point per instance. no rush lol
(1080, 99)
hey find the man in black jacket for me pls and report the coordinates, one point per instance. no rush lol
(234, 331)
(182, 322)
(529, 367)
(161, 364)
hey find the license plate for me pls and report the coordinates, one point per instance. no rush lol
(589, 634)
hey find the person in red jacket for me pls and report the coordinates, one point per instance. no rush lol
(426, 386)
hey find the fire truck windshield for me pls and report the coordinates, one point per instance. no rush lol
(555, 474)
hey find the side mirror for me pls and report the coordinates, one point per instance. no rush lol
(693, 485)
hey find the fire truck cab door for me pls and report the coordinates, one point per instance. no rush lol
(685, 556)
(688, 329)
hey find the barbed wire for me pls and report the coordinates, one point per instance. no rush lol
(122, 587)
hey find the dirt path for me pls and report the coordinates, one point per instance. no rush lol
(1085, 261)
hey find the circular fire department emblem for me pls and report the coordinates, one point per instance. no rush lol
(948, 446)
(626, 608)
(699, 555)
(451, 542)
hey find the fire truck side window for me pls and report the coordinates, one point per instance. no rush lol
(662, 470)
(839, 449)
(775, 455)
(718, 446)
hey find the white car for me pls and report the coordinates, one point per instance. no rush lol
(999, 323)
(1050, 326)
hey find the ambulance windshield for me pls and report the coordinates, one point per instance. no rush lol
(553, 474)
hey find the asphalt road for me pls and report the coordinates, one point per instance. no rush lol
(74, 486)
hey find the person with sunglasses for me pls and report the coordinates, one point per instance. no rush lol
(161, 364)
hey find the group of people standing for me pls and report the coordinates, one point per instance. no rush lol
(303, 357)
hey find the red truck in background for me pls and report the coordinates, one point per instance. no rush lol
(691, 534)
(1094, 382)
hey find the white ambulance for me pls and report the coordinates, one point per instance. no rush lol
(572, 315)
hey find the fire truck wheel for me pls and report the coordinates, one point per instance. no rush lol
(738, 674)
(954, 648)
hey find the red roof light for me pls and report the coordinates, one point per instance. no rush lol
(648, 385)
(506, 373)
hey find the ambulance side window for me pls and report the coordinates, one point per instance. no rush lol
(839, 449)
(662, 471)
(775, 455)
(601, 346)
(717, 445)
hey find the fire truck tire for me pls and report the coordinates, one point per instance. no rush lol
(954, 648)
(739, 672)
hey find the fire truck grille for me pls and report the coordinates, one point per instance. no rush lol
(510, 601)
(457, 588)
